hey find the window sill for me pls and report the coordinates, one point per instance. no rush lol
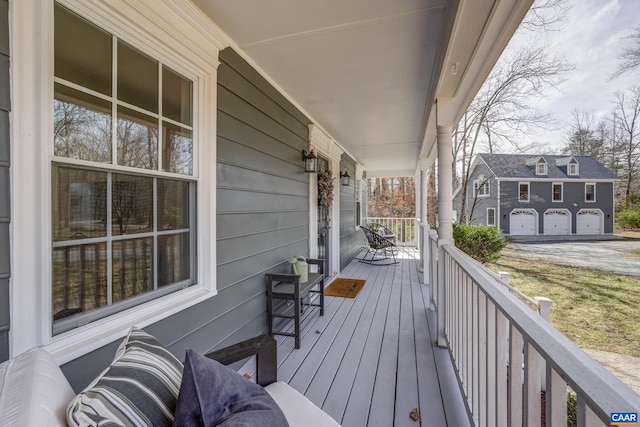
(80, 341)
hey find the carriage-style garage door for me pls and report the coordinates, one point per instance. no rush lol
(589, 221)
(557, 222)
(523, 222)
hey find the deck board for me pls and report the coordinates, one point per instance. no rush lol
(375, 358)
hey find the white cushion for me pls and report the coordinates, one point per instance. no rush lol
(33, 391)
(299, 411)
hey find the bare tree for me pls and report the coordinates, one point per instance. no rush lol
(586, 136)
(630, 56)
(628, 119)
(502, 111)
(544, 15)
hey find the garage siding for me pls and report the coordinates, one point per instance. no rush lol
(479, 214)
(540, 199)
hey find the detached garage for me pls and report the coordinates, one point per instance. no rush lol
(589, 221)
(523, 222)
(557, 222)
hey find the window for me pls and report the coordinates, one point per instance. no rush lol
(123, 187)
(523, 192)
(573, 169)
(481, 187)
(556, 190)
(541, 168)
(589, 192)
(491, 216)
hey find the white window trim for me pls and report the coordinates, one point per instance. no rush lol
(575, 172)
(32, 125)
(544, 168)
(494, 216)
(477, 186)
(528, 192)
(586, 184)
(561, 184)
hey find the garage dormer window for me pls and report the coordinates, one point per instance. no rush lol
(541, 168)
(573, 169)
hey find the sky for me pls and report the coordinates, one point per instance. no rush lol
(592, 38)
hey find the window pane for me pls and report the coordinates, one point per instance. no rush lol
(177, 149)
(132, 268)
(137, 78)
(176, 97)
(82, 52)
(173, 204)
(131, 204)
(79, 205)
(79, 279)
(173, 258)
(82, 126)
(137, 139)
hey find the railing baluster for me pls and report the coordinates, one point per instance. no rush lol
(515, 376)
(555, 400)
(502, 352)
(491, 375)
(475, 343)
(532, 386)
(482, 353)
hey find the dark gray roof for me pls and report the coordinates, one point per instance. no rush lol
(515, 166)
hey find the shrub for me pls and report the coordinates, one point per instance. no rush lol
(628, 219)
(482, 243)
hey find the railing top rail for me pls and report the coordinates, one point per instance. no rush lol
(603, 391)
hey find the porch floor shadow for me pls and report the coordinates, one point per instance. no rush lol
(372, 360)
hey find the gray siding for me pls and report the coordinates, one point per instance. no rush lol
(262, 218)
(5, 200)
(479, 214)
(350, 238)
(541, 199)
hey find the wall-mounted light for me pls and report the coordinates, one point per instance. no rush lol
(345, 178)
(310, 160)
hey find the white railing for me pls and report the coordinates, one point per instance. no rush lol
(403, 228)
(501, 351)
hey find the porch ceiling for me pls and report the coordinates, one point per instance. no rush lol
(367, 71)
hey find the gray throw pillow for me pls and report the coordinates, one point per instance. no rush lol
(139, 388)
(213, 395)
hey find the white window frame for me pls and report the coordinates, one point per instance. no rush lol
(587, 184)
(528, 192)
(542, 171)
(31, 308)
(494, 216)
(561, 184)
(573, 169)
(481, 187)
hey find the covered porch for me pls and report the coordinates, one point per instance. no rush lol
(372, 360)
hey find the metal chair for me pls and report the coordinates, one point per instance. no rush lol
(379, 245)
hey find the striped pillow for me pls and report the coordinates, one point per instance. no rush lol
(140, 387)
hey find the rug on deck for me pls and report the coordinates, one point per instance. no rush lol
(344, 287)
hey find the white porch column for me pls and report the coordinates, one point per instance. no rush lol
(445, 206)
(424, 226)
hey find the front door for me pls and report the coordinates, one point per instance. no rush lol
(324, 226)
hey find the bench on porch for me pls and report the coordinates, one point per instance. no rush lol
(285, 286)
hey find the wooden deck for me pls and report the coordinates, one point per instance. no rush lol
(371, 360)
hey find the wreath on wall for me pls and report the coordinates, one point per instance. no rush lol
(325, 190)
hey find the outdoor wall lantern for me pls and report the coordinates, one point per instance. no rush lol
(310, 160)
(345, 178)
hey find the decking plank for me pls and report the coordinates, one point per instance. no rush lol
(359, 403)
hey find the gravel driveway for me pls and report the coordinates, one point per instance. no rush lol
(611, 256)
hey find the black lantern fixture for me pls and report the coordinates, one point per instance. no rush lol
(310, 160)
(345, 178)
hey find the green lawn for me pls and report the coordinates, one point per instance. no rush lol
(595, 309)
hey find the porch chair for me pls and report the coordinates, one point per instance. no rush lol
(379, 245)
